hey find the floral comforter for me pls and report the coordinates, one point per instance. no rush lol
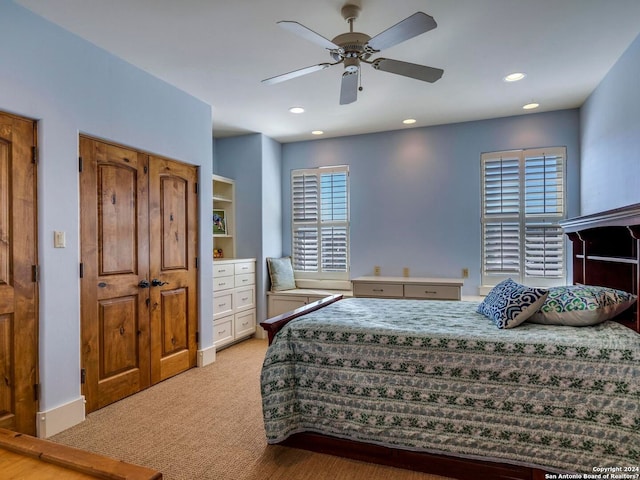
(436, 376)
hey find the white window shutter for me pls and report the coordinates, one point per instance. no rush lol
(320, 222)
(523, 199)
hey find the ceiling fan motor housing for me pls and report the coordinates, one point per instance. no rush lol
(352, 45)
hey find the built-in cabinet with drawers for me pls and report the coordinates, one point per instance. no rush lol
(408, 287)
(234, 300)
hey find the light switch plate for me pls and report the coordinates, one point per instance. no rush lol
(59, 239)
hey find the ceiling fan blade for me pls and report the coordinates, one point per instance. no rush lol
(412, 70)
(295, 73)
(349, 89)
(410, 27)
(308, 34)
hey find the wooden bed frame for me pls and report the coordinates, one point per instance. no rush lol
(606, 252)
(26, 457)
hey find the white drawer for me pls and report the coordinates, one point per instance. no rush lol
(222, 270)
(223, 331)
(434, 292)
(222, 304)
(245, 323)
(244, 267)
(377, 289)
(245, 279)
(222, 283)
(245, 297)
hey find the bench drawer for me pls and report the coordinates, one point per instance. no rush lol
(433, 292)
(389, 290)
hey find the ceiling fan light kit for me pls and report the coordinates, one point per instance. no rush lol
(353, 48)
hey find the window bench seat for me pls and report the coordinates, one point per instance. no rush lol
(286, 300)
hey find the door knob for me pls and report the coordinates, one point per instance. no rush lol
(158, 283)
(144, 284)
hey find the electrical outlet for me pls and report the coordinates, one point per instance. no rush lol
(405, 271)
(376, 270)
(465, 273)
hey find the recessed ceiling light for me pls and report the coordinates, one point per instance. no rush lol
(409, 121)
(296, 110)
(514, 77)
(531, 106)
(317, 132)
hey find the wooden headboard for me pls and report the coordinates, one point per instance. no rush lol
(606, 252)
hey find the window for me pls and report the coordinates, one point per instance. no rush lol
(523, 199)
(320, 218)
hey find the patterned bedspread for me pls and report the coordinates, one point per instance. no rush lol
(436, 376)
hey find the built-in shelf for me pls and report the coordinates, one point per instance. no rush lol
(600, 258)
(223, 200)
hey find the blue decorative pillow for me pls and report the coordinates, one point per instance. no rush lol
(281, 274)
(509, 304)
(582, 305)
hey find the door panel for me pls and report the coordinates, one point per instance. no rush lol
(115, 259)
(18, 289)
(117, 197)
(173, 232)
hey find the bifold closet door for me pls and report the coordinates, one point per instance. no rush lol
(139, 281)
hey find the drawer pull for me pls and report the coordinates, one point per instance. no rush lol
(220, 305)
(244, 299)
(378, 289)
(244, 268)
(430, 292)
(222, 284)
(222, 331)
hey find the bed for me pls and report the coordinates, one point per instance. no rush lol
(435, 386)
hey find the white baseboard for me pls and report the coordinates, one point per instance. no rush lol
(261, 332)
(60, 418)
(206, 356)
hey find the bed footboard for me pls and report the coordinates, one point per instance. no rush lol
(275, 324)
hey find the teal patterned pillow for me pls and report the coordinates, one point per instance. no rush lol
(509, 304)
(281, 273)
(582, 305)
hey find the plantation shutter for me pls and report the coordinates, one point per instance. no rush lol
(320, 217)
(523, 199)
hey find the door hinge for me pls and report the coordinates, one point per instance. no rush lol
(195, 188)
(146, 169)
(197, 337)
(197, 262)
(34, 154)
(82, 270)
(36, 392)
(35, 273)
(83, 376)
(80, 164)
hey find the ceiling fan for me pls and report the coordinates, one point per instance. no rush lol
(353, 48)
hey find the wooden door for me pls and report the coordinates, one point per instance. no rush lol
(114, 230)
(18, 287)
(173, 220)
(139, 227)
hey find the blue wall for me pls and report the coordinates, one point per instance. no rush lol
(72, 87)
(610, 138)
(253, 161)
(415, 193)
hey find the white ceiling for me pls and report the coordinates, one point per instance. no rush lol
(220, 50)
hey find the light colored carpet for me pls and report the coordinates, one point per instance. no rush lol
(206, 423)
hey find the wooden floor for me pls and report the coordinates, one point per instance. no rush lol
(25, 458)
